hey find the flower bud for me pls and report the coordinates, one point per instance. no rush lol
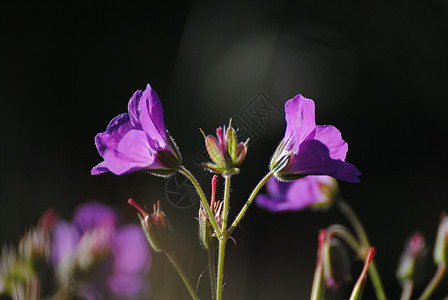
(412, 258)
(207, 234)
(336, 263)
(155, 226)
(359, 286)
(441, 244)
(224, 151)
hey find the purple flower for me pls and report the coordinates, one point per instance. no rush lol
(132, 261)
(103, 259)
(309, 192)
(138, 140)
(310, 149)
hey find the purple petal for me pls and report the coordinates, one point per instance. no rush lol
(133, 109)
(127, 285)
(307, 191)
(277, 188)
(331, 137)
(299, 119)
(115, 131)
(92, 215)
(131, 251)
(313, 157)
(133, 153)
(151, 117)
(65, 241)
(295, 195)
(99, 169)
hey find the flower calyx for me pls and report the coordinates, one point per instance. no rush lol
(207, 234)
(154, 225)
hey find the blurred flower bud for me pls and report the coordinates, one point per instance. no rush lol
(336, 264)
(93, 246)
(224, 151)
(206, 232)
(441, 244)
(155, 226)
(412, 258)
(317, 292)
(360, 283)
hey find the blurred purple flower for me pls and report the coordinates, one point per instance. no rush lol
(138, 140)
(120, 255)
(65, 240)
(132, 260)
(310, 149)
(312, 191)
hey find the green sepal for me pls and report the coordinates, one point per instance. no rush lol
(285, 177)
(231, 143)
(150, 236)
(214, 151)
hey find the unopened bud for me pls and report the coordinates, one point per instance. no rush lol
(225, 152)
(336, 264)
(412, 258)
(360, 283)
(441, 244)
(206, 232)
(155, 226)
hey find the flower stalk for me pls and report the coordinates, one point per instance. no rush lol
(172, 259)
(204, 202)
(223, 239)
(249, 202)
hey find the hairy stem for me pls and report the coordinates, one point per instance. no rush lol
(181, 272)
(223, 240)
(200, 192)
(249, 202)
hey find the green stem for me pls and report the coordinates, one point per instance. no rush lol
(249, 202)
(434, 282)
(407, 290)
(223, 239)
(211, 268)
(181, 272)
(200, 192)
(350, 214)
(362, 237)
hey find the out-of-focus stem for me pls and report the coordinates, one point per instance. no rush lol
(434, 282)
(374, 276)
(407, 290)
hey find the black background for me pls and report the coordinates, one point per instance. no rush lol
(377, 70)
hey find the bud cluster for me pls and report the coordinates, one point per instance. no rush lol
(224, 151)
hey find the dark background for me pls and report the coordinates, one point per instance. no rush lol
(377, 70)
